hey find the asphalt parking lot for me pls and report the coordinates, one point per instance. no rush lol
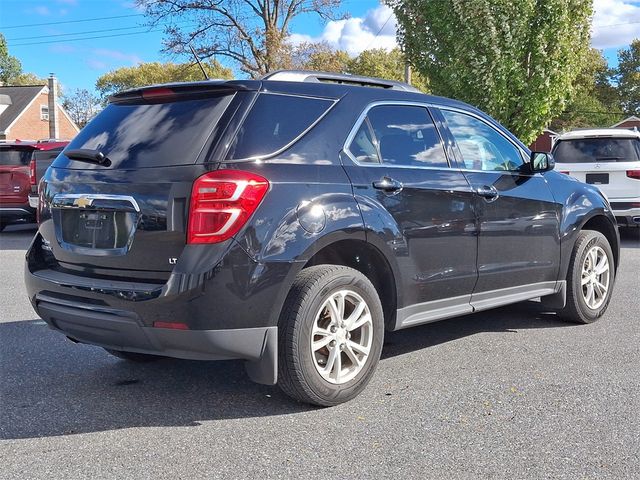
(512, 392)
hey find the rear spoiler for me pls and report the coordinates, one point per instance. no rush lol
(169, 90)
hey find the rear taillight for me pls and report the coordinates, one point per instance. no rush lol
(221, 203)
(566, 173)
(32, 172)
(633, 174)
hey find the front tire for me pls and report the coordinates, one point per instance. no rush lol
(330, 335)
(590, 278)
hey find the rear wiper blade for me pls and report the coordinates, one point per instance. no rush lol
(88, 155)
(608, 158)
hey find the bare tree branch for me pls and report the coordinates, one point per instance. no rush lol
(253, 33)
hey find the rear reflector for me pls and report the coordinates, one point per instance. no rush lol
(221, 203)
(173, 325)
(633, 174)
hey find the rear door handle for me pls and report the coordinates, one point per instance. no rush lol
(388, 185)
(489, 192)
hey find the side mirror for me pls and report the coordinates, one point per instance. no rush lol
(541, 162)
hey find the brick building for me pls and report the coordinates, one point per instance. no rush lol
(33, 113)
(544, 142)
(631, 122)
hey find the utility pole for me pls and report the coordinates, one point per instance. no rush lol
(407, 73)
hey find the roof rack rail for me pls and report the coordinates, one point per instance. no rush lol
(343, 78)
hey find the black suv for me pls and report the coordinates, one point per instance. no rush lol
(289, 221)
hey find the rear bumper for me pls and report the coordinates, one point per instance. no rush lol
(16, 213)
(626, 211)
(123, 330)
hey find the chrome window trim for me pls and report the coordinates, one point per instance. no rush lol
(394, 103)
(266, 156)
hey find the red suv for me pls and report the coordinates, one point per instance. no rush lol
(21, 166)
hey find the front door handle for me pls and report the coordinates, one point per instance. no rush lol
(388, 185)
(489, 192)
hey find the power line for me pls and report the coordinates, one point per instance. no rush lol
(75, 33)
(380, 31)
(69, 40)
(73, 21)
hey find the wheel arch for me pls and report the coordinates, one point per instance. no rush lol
(601, 223)
(367, 259)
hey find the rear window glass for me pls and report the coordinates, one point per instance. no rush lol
(47, 154)
(587, 150)
(274, 122)
(14, 157)
(151, 134)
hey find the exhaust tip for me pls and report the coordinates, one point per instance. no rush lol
(636, 220)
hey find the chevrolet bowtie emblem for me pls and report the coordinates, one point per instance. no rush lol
(82, 202)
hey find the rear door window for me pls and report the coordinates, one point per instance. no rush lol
(140, 135)
(590, 150)
(407, 136)
(363, 146)
(274, 122)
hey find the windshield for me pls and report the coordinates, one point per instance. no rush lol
(589, 150)
(139, 135)
(15, 157)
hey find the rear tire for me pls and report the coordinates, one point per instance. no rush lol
(590, 278)
(134, 356)
(330, 335)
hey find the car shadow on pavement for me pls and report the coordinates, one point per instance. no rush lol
(51, 387)
(509, 319)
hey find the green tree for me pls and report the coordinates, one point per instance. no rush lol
(390, 65)
(252, 33)
(81, 105)
(320, 56)
(10, 66)
(515, 59)
(594, 102)
(376, 62)
(155, 72)
(628, 77)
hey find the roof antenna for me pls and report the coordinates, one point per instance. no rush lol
(206, 77)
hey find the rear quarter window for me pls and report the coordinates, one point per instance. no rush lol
(591, 150)
(274, 122)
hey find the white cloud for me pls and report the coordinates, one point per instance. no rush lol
(40, 10)
(95, 64)
(62, 48)
(615, 23)
(377, 29)
(117, 55)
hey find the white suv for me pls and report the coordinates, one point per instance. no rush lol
(608, 158)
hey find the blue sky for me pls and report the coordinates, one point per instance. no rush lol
(78, 60)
